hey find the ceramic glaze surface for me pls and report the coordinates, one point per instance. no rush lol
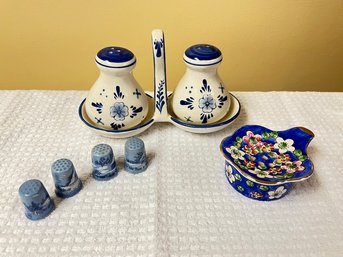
(252, 189)
(205, 106)
(201, 97)
(103, 162)
(197, 54)
(115, 56)
(267, 158)
(36, 200)
(67, 183)
(135, 156)
(116, 101)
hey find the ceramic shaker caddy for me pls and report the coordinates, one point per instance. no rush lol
(116, 101)
(263, 164)
(201, 96)
(117, 107)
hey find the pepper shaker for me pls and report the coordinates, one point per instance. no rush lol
(201, 96)
(116, 101)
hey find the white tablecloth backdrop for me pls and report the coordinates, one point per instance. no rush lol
(182, 205)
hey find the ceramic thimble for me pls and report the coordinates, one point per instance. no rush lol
(103, 162)
(67, 183)
(36, 200)
(135, 156)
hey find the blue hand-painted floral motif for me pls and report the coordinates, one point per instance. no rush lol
(221, 100)
(206, 87)
(135, 110)
(119, 111)
(98, 107)
(118, 94)
(207, 104)
(158, 47)
(160, 101)
(116, 126)
(205, 117)
(188, 102)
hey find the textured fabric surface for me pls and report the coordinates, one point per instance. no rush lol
(182, 205)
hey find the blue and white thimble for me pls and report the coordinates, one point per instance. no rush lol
(104, 164)
(36, 200)
(135, 156)
(67, 183)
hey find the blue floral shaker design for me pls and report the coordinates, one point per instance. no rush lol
(135, 156)
(201, 96)
(104, 164)
(116, 101)
(67, 183)
(36, 200)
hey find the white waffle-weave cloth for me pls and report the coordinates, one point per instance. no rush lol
(182, 205)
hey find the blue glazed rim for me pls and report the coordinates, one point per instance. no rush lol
(308, 172)
(115, 67)
(197, 64)
(107, 130)
(213, 125)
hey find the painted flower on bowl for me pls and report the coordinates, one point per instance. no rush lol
(235, 152)
(253, 140)
(256, 195)
(119, 111)
(207, 104)
(291, 167)
(267, 148)
(284, 157)
(284, 145)
(275, 170)
(249, 164)
(229, 174)
(280, 191)
(250, 150)
(261, 173)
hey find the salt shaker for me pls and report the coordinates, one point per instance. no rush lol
(116, 101)
(201, 97)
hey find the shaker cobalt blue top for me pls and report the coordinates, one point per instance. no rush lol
(115, 54)
(202, 52)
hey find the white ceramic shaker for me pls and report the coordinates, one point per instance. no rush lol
(201, 97)
(116, 101)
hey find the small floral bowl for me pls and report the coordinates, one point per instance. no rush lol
(262, 164)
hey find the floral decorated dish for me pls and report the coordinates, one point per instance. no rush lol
(262, 164)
